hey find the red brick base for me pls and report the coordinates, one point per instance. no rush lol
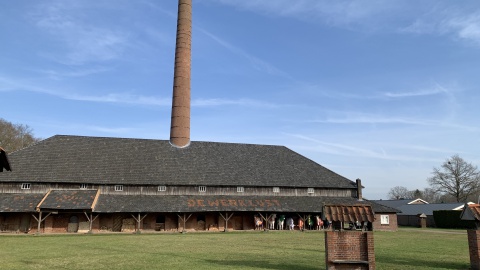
(349, 250)
(474, 248)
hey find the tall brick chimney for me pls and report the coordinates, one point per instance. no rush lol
(180, 123)
(359, 190)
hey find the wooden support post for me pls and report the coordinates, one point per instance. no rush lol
(226, 218)
(265, 219)
(90, 219)
(184, 219)
(303, 222)
(40, 220)
(138, 220)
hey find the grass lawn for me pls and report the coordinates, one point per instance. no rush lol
(405, 249)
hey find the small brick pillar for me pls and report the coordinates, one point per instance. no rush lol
(422, 218)
(474, 248)
(352, 250)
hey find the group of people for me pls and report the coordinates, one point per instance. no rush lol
(288, 223)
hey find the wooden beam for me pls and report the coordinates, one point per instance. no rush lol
(184, 219)
(40, 220)
(226, 218)
(90, 219)
(303, 221)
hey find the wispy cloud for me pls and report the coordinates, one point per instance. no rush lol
(73, 73)
(463, 25)
(239, 102)
(339, 12)
(435, 90)
(429, 17)
(382, 152)
(361, 118)
(83, 42)
(129, 98)
(121, 98)
(256, 62)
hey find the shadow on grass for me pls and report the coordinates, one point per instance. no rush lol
(263, 265)
(410, 263)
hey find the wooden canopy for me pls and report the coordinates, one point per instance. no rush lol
(348, 213)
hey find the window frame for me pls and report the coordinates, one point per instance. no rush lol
(310, 190)
(240, 189)
(118, 188)
(26, 186)
(202, 189)
(83, 186)
(384, 220)
(162, 188)
(276, 190)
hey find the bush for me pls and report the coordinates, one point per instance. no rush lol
(451, 219)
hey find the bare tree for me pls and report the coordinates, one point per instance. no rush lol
(432, 196)
(15, 136)
(399, 192)
(456, 178)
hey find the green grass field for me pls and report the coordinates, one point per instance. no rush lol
(405, 249)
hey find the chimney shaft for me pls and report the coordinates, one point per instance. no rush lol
(180, 122)
(359, 190)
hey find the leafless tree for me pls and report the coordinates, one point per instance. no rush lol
(15, 136)
(400, 192)
(456, 178)
(432, 196)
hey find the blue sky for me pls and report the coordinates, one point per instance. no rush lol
(377, 90)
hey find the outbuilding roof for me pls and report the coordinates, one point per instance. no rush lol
(101, 160)
(69, 200)
(212, 203)
(19, 203)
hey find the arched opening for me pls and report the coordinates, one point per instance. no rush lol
(72, 224)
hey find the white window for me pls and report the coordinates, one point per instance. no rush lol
(276, 190)
(310, 190)
(25, 185)
(202, 189)
(118, 187)
(83, 186)
(240, 189)
(384, 219)
(162, 188)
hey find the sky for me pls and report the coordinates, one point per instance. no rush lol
(383, 91)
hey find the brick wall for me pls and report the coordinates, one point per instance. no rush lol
(391, 226)
(348, 249)
(474, 248)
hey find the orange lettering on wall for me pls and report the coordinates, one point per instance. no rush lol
(191, 203)
(201, 202)
(224, 202)
(260, 203)
(213, 203)
(241, 203)
(268, 203)
(232, 202)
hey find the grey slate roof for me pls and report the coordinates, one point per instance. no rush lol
(427, 209)
(207, 203)
(69, 200)
(99, 160)
(379, 208)
(393, 203)
(19, 203)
